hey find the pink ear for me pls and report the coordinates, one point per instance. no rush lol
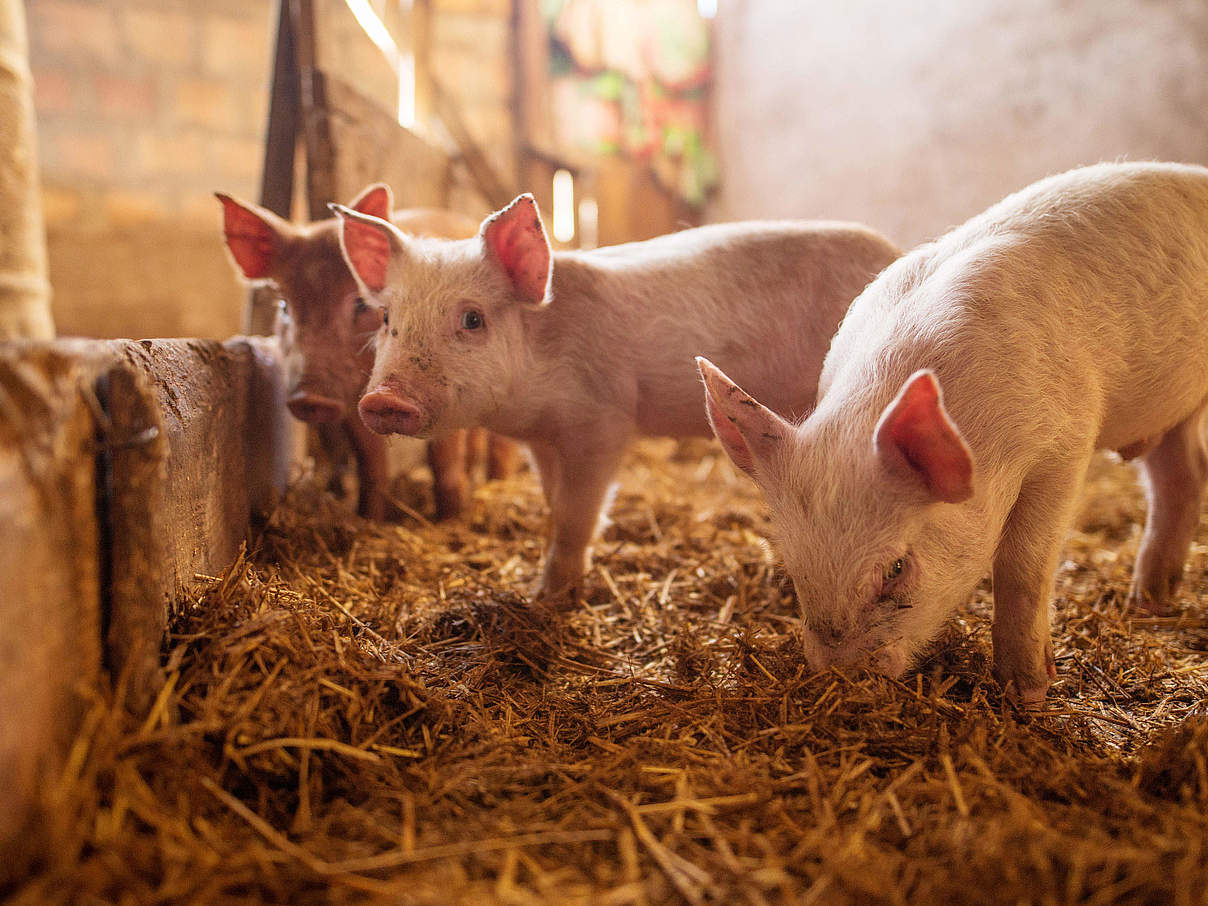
(748, 431)
(375, 201)
(915, 431)
(366, 244)
(516, 239)
(252, 239)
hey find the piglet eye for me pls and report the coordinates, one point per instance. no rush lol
(471, 319)
(894, 569)
(385, 318)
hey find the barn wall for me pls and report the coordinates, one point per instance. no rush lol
(912, 121)
(145, 107)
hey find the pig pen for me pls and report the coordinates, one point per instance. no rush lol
(353, 712)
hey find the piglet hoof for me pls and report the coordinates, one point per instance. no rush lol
(1153, 600)
(1028, 698)
(1027, 686)
(372, 506)
(557, 588)
(450, 501)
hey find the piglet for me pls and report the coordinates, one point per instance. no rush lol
(327, 330)
(959, 406)
(576, 353)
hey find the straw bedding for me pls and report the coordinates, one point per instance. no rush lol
(364, 713)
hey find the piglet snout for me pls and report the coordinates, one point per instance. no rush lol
(826, 648)
(314, 408)
(386, 411)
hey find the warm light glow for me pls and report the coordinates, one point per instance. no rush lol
(707, 8)
(589, 224)
(564, 206)
(402, 63)
(406, 91)
(374, 27)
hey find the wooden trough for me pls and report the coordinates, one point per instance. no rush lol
(126, 468)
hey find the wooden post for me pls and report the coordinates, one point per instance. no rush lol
(530, 95)
(24, 288)
(316, 125)
(280, 144)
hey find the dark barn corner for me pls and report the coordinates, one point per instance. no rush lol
(377, 532)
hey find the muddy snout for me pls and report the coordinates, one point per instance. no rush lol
(314, 407)
(386, 411)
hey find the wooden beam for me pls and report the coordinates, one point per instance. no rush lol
(280, 144)
(126, 468)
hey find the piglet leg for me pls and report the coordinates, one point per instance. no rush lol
(503, 457)
(373, 473)
(1175, 472)
(576, 478)
(447, 458)
(1024, 566)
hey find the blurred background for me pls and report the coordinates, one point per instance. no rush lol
(626, 118)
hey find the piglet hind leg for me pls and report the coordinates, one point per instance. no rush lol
(1175, 472)
(1024, 566)
(503, 457)
(576, 480)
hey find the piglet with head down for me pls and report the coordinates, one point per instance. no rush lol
(959, 406)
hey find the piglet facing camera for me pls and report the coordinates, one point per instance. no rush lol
(328, 331)
(577, 353)
(959, 406)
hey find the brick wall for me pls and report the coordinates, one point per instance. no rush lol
(145, 107)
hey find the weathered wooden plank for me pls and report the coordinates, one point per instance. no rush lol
(366, 144)
(221, 413)
(280, 147)
(50, 611)
(126, 468)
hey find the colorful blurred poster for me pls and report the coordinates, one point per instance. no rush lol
(632, 77)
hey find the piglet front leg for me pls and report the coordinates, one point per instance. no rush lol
(1024, 566)
(576, 477)
(448, 459)
(373, 471)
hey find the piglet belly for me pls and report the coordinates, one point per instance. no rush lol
(671, 414)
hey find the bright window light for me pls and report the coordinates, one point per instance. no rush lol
(403, 64)
(707, 8)
(406, 91)
(564, 206)
(374, 27)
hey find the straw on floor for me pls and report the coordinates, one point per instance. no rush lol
(377, 713)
